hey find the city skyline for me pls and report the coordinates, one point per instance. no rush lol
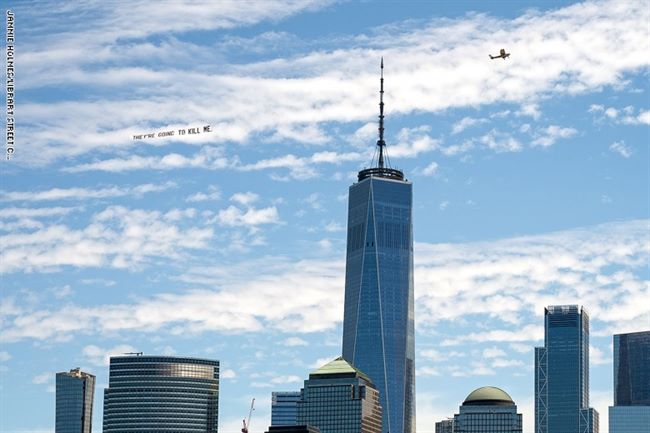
(530, 179)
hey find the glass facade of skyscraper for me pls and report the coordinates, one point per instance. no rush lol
(629, 419)
(378, 327)
(75, 391)
(562, 373)
(284, 408)
(631, 410)
(487, 410)
(338, 398)
(632, 369)
(158, 394)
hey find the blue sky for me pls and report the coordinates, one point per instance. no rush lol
(531, 185)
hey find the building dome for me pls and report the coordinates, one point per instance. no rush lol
(488, 396)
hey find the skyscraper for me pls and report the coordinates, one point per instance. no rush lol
(631, 410)
(161, 394)
(75, 391)
(485, 410)
(284, 408)
(338, 398)
(378, 329)
(562, 373)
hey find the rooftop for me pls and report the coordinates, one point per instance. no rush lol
(339, 367)
(488, 396)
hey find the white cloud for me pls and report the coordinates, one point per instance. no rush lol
(465, 123)
(620, 148)
(235, 217)
(548, 136)
(101, 357)
(294, 341)
(82, 193)
(506, 282)
(116, 237)
(294, 97)
(43, 378)
(213, 194)
(625, 116)
(227, 374)
(493, 352)
(245, 198)
(430, 169)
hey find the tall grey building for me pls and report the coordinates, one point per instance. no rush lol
(631, 410)
(161, 394)
(562, 373)
(284, 408)
(338, 398)
(75, 391)
(485, 410)
(445, 426)
(378, 327)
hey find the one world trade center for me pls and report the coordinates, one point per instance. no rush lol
(378, 327)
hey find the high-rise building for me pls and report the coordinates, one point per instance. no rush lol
(485, 410)
(338, 398)
(631, 410)
(284, 408)
(445, 426)
(158, 394)
(562, 373)
(75, 391)
(378, 329)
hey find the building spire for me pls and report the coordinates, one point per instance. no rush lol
(381, 143)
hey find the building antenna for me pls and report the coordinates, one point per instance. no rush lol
(381, 143)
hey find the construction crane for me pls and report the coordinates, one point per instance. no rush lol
(247, 424)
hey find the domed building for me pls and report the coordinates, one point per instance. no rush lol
(485, 410)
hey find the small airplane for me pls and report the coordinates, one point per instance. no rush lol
(502, 55)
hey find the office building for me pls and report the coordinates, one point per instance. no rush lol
(75, 391)
(159, 394)
(562, 373)
(485, 410)
(378, 327)
(631, 410)
(293, 429)
(284, 407)
(445, 426)
(338, 398)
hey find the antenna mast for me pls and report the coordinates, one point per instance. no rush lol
(381, 143)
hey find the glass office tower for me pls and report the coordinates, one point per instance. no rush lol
(631, 410)
(158, 394)
(75, 391)
(284, 408)
(562, 373)
(485, 410)
(338, 398)
(378, 327)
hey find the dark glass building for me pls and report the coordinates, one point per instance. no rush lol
(284, 408)
(485, 410)
(75, 391)
(562, 373)
(631, 410)
(158, 394)
(338, 398)
(378, 327)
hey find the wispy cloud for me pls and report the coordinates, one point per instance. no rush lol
(504, 281)
(266, 97)
(83, 193)
(116, 237)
